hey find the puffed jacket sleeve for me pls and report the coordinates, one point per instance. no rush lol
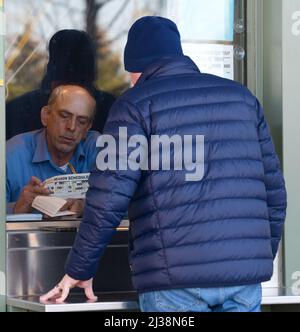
(108, 197)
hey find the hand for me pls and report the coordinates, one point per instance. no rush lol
(61, 291)
(33, 189)
(74, 205)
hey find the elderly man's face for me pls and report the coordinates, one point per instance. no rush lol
(68, 118)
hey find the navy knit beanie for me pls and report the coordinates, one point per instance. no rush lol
(149, 39)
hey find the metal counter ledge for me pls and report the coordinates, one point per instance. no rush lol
(29, 244)
(126, 302)
(78, 303)
(64, 223)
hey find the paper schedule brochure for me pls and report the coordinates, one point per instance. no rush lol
(51, 206)
(68, 186)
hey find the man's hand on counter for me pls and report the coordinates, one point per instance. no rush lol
(61, 291)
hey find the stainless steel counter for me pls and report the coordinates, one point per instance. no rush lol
(36, 253)
(76, 303)
(52, 225)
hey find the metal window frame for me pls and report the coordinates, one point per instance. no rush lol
(2, 175)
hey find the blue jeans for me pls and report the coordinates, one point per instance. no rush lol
(226, 299)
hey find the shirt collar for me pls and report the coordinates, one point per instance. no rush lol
(42, 154)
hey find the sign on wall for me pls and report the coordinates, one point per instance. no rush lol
(207, 33)
(216, 59)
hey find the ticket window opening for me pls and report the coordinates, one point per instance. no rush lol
(213, 35)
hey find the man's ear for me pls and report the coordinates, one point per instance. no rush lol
(135, 77)
(44, 115)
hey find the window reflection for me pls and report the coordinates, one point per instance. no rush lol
(59, 43)
(81, 42)
(107, 22)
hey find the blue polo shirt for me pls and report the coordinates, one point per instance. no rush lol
(27, 155)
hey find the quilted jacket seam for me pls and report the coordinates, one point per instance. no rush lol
(206, 263)
(160, 234)
(212, 241)
(202, 223)
(200, 202)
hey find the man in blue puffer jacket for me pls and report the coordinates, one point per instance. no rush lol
(202, 245)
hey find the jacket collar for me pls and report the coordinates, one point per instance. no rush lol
(176, 65)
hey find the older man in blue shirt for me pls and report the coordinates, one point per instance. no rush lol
(64, 146)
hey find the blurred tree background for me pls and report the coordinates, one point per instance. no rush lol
(35, 23)
(26, 65)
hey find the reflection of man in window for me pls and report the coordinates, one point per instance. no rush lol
(72, 59)
(64, 146)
